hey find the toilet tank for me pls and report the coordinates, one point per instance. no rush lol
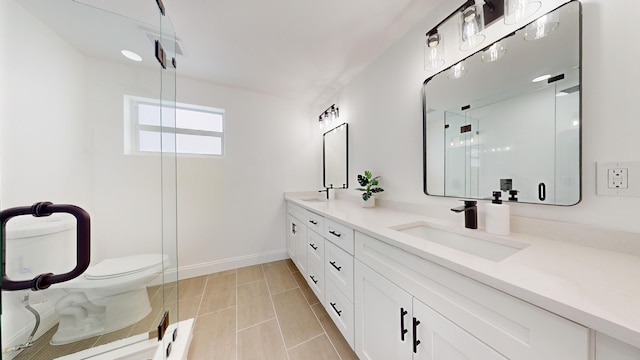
(41, 245)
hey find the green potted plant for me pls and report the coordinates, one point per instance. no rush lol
(369, 187)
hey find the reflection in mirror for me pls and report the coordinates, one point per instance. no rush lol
(335, 154)
(494, 128)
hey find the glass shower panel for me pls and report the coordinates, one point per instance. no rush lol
(169, 179)
(64, 125)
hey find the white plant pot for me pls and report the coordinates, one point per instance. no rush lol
(369, 203)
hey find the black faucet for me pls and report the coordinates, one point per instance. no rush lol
(327, 190)
(470, 213)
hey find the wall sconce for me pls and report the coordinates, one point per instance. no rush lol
(332, 113)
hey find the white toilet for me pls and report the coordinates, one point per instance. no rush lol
(109, 296)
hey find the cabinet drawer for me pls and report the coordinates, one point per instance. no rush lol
(338, 267)
(315, 247)
(339, 234)
(514, 328)
(296, 211)
(340, 309)
(314, 221)
(315, 279)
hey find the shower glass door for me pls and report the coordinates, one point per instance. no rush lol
(82, 124)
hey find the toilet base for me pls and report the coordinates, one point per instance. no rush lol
(81, 318)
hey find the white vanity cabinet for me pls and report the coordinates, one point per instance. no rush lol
(458, 317)
(315, 264)
(392, 324)
(297, 236)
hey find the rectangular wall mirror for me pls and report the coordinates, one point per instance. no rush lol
(508, 117)
(335, 155)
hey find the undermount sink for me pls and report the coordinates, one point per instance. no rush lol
(491, 250)
(314, 199)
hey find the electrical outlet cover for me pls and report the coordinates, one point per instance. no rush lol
(618, 178)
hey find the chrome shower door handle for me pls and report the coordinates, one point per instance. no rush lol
(83, 244)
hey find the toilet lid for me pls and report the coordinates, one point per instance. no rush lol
(110, 268)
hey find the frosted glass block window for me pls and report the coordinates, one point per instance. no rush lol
(189, 129)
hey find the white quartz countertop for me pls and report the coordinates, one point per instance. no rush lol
(597, 288)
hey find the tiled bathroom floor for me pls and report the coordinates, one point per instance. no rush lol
(258, 312)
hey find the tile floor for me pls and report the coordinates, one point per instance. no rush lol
(258, 312)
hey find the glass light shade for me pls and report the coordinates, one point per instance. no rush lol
(542, 27)
(518, 10)
(457, 71)
(471, 24)
(494, 52)
(433, 52)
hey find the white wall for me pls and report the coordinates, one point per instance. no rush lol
(383, 108)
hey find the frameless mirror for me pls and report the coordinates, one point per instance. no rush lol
(335, 153)
(508, 117)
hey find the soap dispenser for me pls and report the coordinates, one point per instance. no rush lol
(497, 216)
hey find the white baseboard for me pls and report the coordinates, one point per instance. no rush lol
(190, 271)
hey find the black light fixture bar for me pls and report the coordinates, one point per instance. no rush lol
(465, 5)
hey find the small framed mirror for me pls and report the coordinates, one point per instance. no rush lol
(508, 117)
(335, 157)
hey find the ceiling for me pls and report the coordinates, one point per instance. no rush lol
(297, 49)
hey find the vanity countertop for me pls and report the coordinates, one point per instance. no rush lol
(597, 288)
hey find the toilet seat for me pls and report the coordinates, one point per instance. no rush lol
(126, 265)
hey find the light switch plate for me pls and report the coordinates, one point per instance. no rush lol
(618, 178)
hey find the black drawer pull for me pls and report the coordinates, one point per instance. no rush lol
(313, 246)
(313, 279)
(335, 233)
(313, 222)
(333, 305)
(403, 331)
(333, 263)
(416, 342)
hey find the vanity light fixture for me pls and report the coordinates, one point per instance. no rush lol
(518, 10)
(542, 27)
(471, 24)
(433, 51)
(332, 113)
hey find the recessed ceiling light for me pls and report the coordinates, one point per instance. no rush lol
(131, 55)
(541, 78)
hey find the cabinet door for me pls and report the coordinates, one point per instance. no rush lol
(608, 348)
(436, 338)
(292, 229)
(382, 317)
(301, 250)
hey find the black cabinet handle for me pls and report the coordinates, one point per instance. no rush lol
(333, 263)
(333, 305)
(542, 191)
(293, 228)
(416, 342)
(313, 246)
(403, 331)
(335, 233)
(313, 222)
(313, 279)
